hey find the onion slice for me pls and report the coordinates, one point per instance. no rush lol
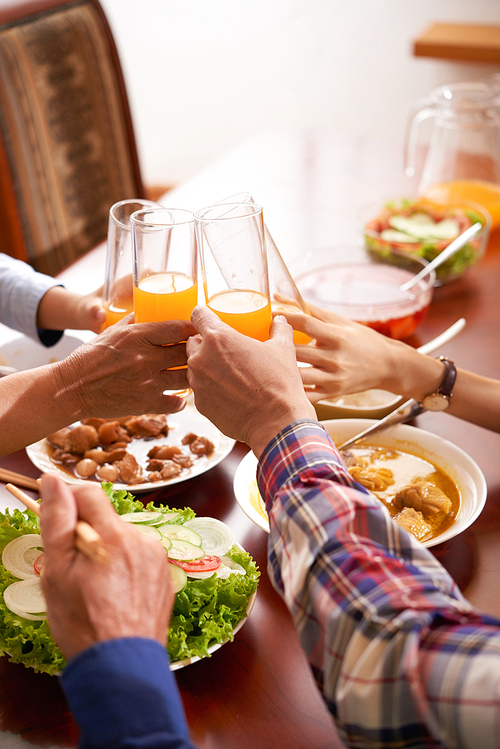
(26, 599)
(18, 558)
(216, 537)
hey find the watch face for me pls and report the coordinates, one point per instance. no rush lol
(436, 402)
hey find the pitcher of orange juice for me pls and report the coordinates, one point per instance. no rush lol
(463, 154)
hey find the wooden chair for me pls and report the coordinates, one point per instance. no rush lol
(67, 147)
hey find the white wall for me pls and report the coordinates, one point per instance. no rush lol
(203, 75)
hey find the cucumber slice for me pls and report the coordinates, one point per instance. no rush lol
(165, 542)
(144, 518)
(184, 550)
(149, 531)
(169, 517)
(179, 577)
(169, 530)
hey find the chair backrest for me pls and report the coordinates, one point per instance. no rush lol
(67, 147)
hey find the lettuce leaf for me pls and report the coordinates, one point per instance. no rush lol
(205, 612)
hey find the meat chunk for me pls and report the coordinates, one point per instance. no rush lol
(164, 452)
(170, 469)
(147, 426)
(183, 460)
(423, 496)
(60, 438)
(83, 437)
(201, 446)
(413, 522)
(374, 479)
(129, 469)
(68, 459)
(111, 432)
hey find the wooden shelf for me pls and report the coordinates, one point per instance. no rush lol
(468, 42)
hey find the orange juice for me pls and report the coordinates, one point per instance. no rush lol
(165, 296)
(248, 312)
(298, 336)
(117, 309)
(486, 194)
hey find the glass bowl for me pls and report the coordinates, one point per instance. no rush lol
(423, 228)
(363, 285)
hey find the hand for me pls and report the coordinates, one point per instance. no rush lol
(60, 309)
(130, 595)
(126, 369)
(248, 389)
(348, 357)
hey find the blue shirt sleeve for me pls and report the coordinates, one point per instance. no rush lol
(124, 696)
(21, 291)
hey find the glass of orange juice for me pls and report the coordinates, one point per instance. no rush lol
(165, 266)
(231, 240)
(283, 291)
(118, 281)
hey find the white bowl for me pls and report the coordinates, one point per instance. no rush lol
(370, 404)
(451, 459)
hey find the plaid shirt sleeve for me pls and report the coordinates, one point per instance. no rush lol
(401, 658)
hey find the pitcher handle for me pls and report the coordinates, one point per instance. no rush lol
(422, 110)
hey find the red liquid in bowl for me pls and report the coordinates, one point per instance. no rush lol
(369, 294)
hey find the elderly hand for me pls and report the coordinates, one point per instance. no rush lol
(126, 369)
(248, 389)
(129, 595)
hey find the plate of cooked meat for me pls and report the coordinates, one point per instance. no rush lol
(136, 453)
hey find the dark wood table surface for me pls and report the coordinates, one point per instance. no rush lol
(258, 691)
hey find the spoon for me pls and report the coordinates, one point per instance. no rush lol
(405, 412)
(453, 247)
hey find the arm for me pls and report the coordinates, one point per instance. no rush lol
(384, 627)
(60, 308)
(110, 620)
(349, 358)
(120, 372)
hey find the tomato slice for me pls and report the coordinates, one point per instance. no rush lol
(39, 563)
(205, 564)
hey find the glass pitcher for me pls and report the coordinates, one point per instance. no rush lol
(463, 155)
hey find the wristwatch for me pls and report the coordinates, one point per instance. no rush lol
(440, 399)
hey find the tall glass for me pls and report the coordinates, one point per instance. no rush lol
(234, 266)
(165, 264)
(283, 290)
(118, 280)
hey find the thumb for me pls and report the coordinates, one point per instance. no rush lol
(281, 331)
(204, 319)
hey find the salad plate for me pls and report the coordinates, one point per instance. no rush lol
(207, 611)
(180, 424)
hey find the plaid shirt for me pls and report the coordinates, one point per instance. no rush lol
(401, 658)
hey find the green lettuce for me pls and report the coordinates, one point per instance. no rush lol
(205, 612)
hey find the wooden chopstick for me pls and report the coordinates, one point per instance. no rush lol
(87, 540)
(18, 478)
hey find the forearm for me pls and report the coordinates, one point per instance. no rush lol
(475, 398)
(374, 610)
(33, 404)
(123, 694)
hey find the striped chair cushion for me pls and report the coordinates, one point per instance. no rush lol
(64, 133)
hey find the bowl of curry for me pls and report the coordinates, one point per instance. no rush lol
(430, 487)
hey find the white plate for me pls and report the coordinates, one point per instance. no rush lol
(445, 455)
(188, 420)
(245, 490)
(24, 353)
(187, 661)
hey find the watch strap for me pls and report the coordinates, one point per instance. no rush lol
(450, 375)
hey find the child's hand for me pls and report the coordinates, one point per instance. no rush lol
(60, 309)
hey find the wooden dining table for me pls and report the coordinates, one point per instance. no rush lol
(258, 691)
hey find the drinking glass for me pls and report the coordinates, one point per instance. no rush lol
(234, 266)
(165, 264)
(118, 281)
(283, 290)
